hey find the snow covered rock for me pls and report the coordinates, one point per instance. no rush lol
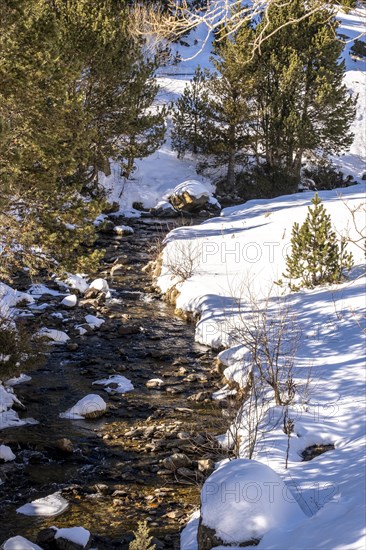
(116, 382)
(69, 301)
(163, 209)
(123, 230)
(99, 284)
(20, 543)
(18, 380)
(78, 282)
(155, 383)
(189, 196)
(90, 406)
(57, 336)
(93, 321)
(241, 501)
(66, 538)
(6, 454)
(51, 505)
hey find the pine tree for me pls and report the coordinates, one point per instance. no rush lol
(316, 257)
(75, 91)
(228, 122)
(189, 115)
(143, 540)
(301, 101)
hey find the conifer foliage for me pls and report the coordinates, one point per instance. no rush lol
(75, 92)
(316, 257)
(143, 540)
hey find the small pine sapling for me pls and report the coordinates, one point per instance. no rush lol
(143, 540)
(316, 257)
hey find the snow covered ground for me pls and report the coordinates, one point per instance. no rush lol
(242, 253)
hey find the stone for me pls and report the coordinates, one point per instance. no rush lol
(205, 465)
(155, 383)
(176, 461)
(125, 330)
(64, 445)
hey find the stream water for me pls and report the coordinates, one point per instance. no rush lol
(114, 476)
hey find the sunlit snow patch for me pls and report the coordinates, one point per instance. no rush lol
(51, 505)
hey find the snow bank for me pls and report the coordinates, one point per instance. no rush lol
(8, 417)
(115, 383)
(89, 406)
(10, 297)
(243, 499)
(51, 505)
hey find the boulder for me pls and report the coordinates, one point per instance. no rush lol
(164, 210)
(190, 196)
(176, 461)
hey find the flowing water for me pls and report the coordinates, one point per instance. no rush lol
(114, 477)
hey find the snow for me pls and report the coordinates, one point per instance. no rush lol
(93, 321)
(193, 187)
(8, 417)
(18, 380)
(6, 454)
(70, 301)
(38, 290)
(123, 384)
(87, 405)
(20, 543)
(188, 536)
(10, 297)
(244, 499)
(51, 505)
(123, 230)
(57, 336)
(99, 284)
(77, 281)
(78, 535)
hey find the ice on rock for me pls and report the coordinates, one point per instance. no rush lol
(51, 505)
(90, 406)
